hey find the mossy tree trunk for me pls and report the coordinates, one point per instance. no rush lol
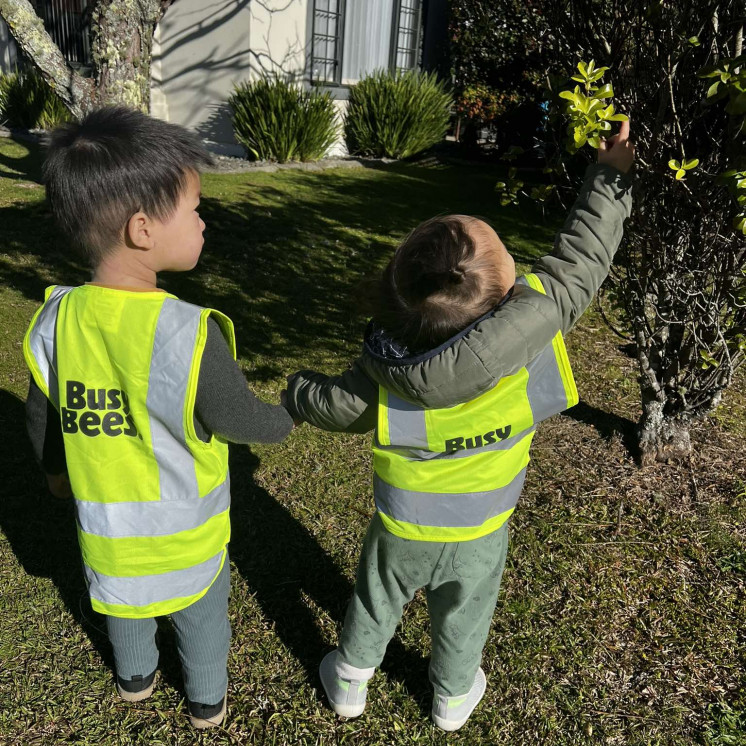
(121, 43)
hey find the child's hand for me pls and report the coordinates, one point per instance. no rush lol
(284, 402)
(618, 151)
(59, 486)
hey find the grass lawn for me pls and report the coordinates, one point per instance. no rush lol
(622, 618)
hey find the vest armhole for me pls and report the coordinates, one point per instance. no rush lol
(226, 327)
(28, 354)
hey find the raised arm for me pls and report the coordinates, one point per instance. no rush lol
(585, 247)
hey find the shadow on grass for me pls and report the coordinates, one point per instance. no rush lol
(280, 560)
(285, 254)
(608, 424)
(283, 565)
(28, 166)
(41, 529)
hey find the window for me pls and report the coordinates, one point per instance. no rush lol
(406, 51)
(352, 38)
(68, 23)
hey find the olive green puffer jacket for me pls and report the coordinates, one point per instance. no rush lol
(497, 345)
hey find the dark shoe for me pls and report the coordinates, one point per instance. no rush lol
(207, 716)
(137, 688)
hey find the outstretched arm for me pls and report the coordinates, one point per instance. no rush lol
(585, 247)
(346, 403)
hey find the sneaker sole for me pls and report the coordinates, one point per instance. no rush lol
(345, 711)
(214, 721)
(451, 725)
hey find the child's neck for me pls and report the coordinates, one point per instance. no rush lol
(125, 269)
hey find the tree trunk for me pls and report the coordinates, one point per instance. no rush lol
(122, 41)
(121, 44)
(662, 437)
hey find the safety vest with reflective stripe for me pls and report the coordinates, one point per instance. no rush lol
(456, 473)
(152, 499)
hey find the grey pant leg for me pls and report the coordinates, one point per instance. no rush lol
(133, 640)
(461, 601)
(203, 635)
(390, 571)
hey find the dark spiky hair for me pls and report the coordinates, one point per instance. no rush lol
(115, 162)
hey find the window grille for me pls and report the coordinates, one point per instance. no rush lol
(328, 28)
(68, 23)
(405, 53)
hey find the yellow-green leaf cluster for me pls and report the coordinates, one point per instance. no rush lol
(589, 116)
(682, 166)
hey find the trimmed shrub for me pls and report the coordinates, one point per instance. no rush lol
(275, 120)
(395, 116)
(27, 101)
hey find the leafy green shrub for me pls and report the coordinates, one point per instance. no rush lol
(275, 120)
(27, 101)
(395, 116)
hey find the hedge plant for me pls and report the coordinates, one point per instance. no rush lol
(275, 120)
(396, 115)
(27, 101)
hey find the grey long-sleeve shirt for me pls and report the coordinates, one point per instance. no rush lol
(224, 406)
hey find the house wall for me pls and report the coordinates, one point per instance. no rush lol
(204, 47)
(8, 49)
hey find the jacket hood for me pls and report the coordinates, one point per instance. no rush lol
(466, 365)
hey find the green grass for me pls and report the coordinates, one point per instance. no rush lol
(621, 618)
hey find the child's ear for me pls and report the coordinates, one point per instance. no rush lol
(138, 232)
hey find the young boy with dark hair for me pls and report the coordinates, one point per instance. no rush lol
(454, 391)
(134, 395)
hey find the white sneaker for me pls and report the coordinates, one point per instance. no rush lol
(346, 687)
(450, 713)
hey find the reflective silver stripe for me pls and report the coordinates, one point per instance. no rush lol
(150, 589)
(131, 519)
(170, 365)
(406, 422)
(43, 345)
(416, 454)
(545, 389)
(449, 509)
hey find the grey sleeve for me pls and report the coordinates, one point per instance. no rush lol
(45, 431)
(347, 403)
(585, 247)
(225, 406)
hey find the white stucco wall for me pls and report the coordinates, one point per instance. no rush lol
(8, 50)
(204, 47)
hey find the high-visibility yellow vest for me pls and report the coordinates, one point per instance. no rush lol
(456, 473)
(152, 499)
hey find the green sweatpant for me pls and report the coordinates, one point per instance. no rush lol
(461, 581)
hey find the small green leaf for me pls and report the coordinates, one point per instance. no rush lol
(709, 71)
(713, 89)
(594, 141)
(688, 165)
(605, 91)
(680, 174)
(694, 41)
(675, 165)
